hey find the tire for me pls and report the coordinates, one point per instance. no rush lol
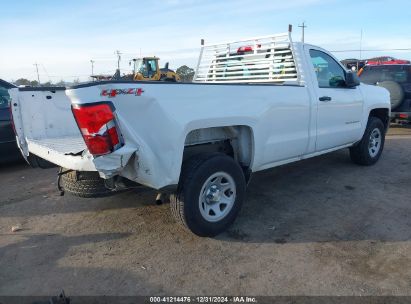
(84, 184)
(362, 153)
(396, 92)
(201, 204)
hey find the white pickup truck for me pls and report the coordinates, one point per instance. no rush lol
(254, 104)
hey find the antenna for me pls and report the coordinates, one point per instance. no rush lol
(303, 27)
(358, 63)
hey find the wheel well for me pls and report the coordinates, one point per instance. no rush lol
(235, 141)
(382, 114)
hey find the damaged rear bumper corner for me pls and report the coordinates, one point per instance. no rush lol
(117, 163)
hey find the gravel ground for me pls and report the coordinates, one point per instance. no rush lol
(322, 226)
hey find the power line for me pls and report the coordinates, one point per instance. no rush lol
(370, 50)
(79, 75)
(133, 54)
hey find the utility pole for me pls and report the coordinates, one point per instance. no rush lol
(358, 63)
(92, 67)
(118, 59)
(37, 70)
(303, 27)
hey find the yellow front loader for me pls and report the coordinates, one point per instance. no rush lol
(147, 69)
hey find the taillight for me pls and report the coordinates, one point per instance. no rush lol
(98, 125)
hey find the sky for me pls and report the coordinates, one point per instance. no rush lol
(63, 36)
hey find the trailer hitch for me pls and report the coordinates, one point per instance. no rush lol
(59, 174)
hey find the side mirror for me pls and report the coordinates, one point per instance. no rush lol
(351, 79)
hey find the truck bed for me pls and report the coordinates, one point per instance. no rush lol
(63, 151)
(68, 145)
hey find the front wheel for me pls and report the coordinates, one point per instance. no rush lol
(369, 149)
(210, 194)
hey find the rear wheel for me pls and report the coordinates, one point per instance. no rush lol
(210, 194)
(369, 149)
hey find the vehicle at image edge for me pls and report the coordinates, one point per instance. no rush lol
(357, 64)
(396, 78)
(200, 142)
(386, 60)
(8, 146)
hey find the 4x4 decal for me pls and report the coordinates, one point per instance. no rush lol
(115, 92)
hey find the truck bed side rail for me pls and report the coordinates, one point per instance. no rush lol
(253, 60)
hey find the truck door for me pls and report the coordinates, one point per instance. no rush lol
(339, 108)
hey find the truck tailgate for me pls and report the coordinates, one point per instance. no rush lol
(45, 127)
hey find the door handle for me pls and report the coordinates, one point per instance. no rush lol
(325, 98)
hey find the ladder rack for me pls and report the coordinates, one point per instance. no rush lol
(254, 60)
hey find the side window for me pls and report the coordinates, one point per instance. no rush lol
(329, 73)
(151, 67)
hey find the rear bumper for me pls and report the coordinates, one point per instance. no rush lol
(71, 153)
(117, 163)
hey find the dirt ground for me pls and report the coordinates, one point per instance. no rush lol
(322, 226)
